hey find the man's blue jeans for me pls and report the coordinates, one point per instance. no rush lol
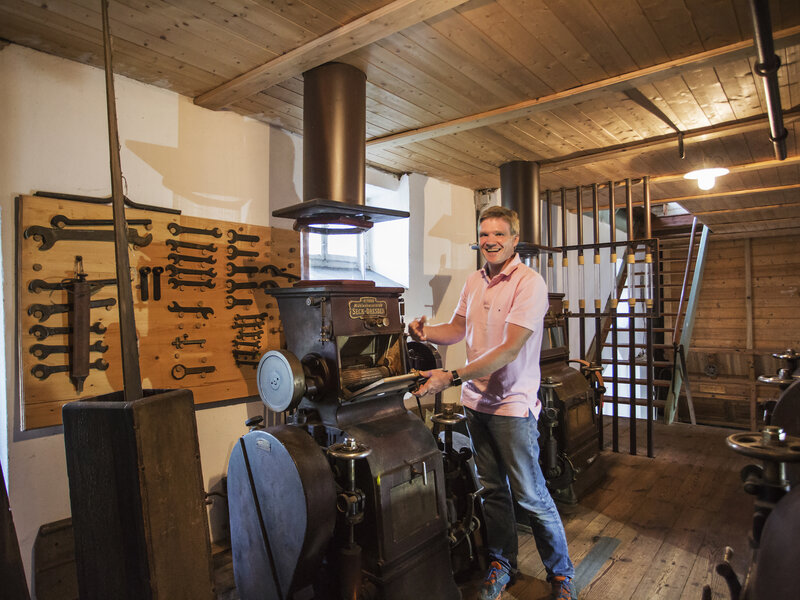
(506, 453)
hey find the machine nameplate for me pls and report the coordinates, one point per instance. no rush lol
(367, 307)
(264, 445)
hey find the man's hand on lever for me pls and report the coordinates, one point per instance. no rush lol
(437, 380)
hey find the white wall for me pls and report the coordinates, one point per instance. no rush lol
(174, 154)
(442, 227)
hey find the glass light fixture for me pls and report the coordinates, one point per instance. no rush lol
(706, 178)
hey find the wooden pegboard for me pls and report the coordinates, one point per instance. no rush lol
(159, 330)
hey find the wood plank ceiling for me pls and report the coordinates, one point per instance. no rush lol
(595, 90)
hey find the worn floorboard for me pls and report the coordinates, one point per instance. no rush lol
(673, 516)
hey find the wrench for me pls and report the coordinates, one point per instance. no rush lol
(246, 363)
(44, 371)
(268, 283)
(37, 285)
(234, 252)
(232, 301)
(234, 237)
(239, 343)
(202, 311)
(174, 271)
(234, 286)
(175, 244)
(247, 320)
(143, 273)
(157, 271)
(45, 311)
(176, 229)
(245, 354)
(47, 237)
(62, 221)
(180, 283)
(180, 342)
(43, 351)
(276, 272)
(236, 270)
(179, 371)
(176, 258)
(40, 332)
(250, 334)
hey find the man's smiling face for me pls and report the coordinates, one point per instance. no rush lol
(496, 243)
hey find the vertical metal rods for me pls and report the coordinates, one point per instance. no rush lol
(612, 221)
(649, 287)
(631, 314)
(581, 274)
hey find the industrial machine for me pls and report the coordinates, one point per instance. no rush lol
(571, 405)
(349, 499)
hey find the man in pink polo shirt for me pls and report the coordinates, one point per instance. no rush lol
(501, 316)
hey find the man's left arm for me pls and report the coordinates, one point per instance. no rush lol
(514, 337)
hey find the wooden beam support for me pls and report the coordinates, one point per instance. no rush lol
(374, 26)
(743, 168)
(582, 93)
(727, 194)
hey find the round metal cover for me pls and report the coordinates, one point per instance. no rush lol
(280, 380)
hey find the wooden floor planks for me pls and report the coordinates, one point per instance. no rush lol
(673, 516)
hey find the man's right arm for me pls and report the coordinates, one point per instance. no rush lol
(444, 333)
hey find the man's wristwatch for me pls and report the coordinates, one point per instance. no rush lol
(456, 378)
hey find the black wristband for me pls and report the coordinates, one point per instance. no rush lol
(456, 378)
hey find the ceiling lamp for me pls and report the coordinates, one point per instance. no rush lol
(706, 177)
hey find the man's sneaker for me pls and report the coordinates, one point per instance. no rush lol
(496, 581)
(561, 588)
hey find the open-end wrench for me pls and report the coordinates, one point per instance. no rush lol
(268, 284)
(202, 311)
(232, 301)
(175, 244)
(45, 311)
(234, 252)
(237, 270)
(44, 371)
(233, 286)
(239, 343)
(143, 273)
(48, 237)
(246, 363)
(249, 334)
(248, 320)
(178, 258)
(234, 236)
(176, 229)
(157, 271)
(37, 285)
(244, 354)
(62, 221)
(181, 283)
(180, 371)
(43, 350)
(179, 342)
(174, 271)
(276, 272)
(41, 332)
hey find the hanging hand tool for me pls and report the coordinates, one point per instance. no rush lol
(232, 301)
(79, 317)
(276, 272)
(202, 311)
(234, 286)
(234, 269)
(44, 350)
(157, 271)
(176, 229)
(60, 221)
(234, 252)
(143, 273)
(37, 285)
(177, 258)
(234, 237)
(175, 244)
(44, 371)
(180, 371)
(48, 237)
(41, 332)
(181, 283)
(174, 271)
(45, 311)
(180, 342)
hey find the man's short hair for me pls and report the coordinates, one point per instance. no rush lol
(501, 212)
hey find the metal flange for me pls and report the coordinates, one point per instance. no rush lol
(448, 416)
(349, 449)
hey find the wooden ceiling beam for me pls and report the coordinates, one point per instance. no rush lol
(728, 194)
(582, 93)
(743, 168)
(374, 26)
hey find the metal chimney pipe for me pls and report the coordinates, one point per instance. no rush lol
(519, 184)
(334, 133)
